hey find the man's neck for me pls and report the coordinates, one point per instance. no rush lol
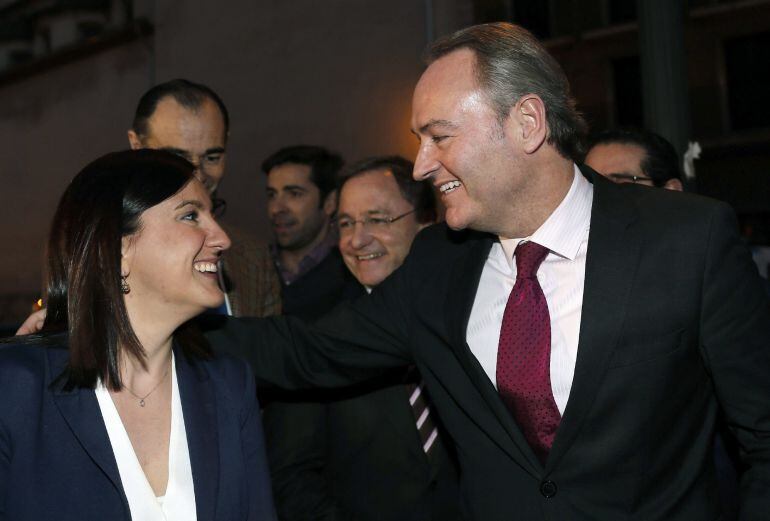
(551, 183)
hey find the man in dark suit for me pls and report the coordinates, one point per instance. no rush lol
(372, 451)
(653, 327)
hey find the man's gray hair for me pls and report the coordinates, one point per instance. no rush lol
(510, 63)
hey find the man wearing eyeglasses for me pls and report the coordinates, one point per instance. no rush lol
(373, 451)
(191, 120)
(630, 155)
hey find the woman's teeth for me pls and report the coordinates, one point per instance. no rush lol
(205, 267)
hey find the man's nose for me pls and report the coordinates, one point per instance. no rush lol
(360, 236)
(425, 164)
(275, 205)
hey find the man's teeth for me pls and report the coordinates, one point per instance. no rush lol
(205, 267)
(449, 187)
(369, 257)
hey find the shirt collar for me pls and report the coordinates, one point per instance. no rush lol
(566, 228)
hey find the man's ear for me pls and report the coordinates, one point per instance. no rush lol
(674, 184)
(527, 122)
(330, 203)
(133, 140)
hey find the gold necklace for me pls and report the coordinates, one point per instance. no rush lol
(143, 398)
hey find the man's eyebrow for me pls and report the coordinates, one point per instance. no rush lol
(294, 187)
(437, 123)
(191, 202)
(215, 150)
(374, 211)
(177, 151)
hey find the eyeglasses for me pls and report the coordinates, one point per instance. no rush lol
(347, 225)
(630, 178)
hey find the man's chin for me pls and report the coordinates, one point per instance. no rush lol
(455, 221)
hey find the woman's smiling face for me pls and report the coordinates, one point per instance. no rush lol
(171, 261)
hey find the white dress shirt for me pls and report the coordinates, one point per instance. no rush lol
(562, 277)
(179, 501)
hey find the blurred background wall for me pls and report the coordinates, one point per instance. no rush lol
(338, 73)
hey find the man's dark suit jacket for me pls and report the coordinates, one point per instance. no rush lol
(56, 460)
(355, 454)
(675, 324)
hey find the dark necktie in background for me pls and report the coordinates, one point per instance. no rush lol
(524, 354)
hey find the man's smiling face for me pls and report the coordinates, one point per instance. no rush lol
(464, 149)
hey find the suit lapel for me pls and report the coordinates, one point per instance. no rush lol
(612, 256)
(466, 274)
(200, 418)
(81, 412)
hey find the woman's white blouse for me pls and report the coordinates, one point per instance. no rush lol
(179, 501)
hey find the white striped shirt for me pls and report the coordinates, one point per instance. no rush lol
(562, 277)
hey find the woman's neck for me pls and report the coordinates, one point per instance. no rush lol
(156, 343)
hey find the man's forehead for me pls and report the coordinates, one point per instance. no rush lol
(608, 158)
(375, 189)
(173, 125)
(289, 174)
(446, 82)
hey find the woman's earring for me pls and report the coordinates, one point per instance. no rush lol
(124, 287)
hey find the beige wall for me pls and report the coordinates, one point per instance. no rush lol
(333, 72)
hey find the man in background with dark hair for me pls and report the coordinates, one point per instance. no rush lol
(631, 155)
(301, 201)
(372, 451)
(191, 120)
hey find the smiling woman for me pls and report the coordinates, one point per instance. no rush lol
(119, 409)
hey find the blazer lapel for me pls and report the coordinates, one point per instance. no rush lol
(80, 410)
(613, 252)
(200, 419)
(466, 274)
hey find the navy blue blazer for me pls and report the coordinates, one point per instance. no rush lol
(56, 461)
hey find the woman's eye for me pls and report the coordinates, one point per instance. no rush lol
(191, 216)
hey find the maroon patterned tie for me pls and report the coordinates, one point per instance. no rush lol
(524, 354)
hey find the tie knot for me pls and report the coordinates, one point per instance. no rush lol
(529, 256)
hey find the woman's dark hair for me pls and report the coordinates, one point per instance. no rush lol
(101, 205)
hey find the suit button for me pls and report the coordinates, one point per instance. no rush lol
(548, 489)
